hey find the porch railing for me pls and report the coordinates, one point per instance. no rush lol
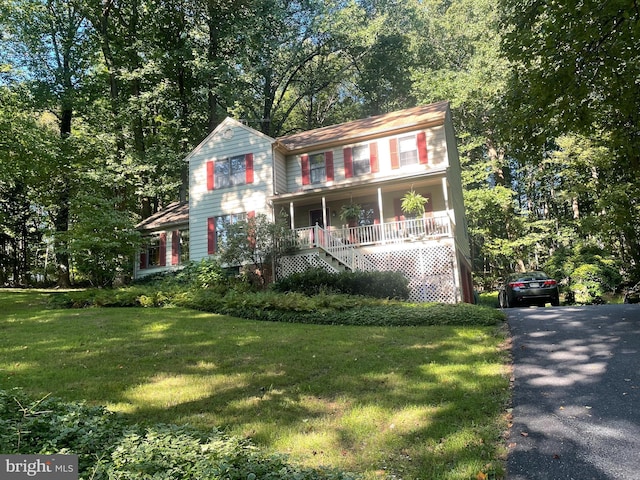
(341, 242)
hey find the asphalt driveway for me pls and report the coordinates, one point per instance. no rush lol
(576, 401)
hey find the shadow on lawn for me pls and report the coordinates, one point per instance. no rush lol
(409, 397)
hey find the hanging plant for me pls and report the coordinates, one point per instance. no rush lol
(350, 211)
(413, 203)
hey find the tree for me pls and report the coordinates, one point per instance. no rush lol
(575, 70)
(102, 240)
(257, 243)
(51, 40)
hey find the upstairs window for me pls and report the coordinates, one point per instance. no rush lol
(361, 160)
(230, 172)
(408, 150)
(317, 168)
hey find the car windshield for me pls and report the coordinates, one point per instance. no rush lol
(528, 277)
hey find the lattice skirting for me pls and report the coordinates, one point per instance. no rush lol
(429, 268)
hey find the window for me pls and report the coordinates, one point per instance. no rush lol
(184, 246)
(361, 160)
(154, 251)
(230, 172)
(317, 168)
(179, 247)
(221, 224)
(368, 215)
(408, 150)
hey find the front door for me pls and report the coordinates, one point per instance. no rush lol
(315, 216)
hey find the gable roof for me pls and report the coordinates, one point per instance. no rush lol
(366, 128)
(176, 213)
(225, 125)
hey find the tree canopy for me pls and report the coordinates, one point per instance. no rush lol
(108, 96)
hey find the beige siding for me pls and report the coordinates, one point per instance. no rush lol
(280, 173)
(204, 204)
(454, 176)
(436, 153)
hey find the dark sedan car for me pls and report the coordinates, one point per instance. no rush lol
(529, 288)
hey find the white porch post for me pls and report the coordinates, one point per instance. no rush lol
(382, 233)
(324, 212)
(445, 193)
(293, 223)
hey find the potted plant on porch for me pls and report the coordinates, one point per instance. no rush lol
(350, 213)
(412, 205)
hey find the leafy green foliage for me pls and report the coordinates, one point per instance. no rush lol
(587, 271)
(293, 307)
(108, 448)
(102, 240)
(257, 244)
(370, 284)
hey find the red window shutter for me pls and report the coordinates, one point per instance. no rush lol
(248, 160)
(163, 249)
(373, 157)
(422, 148)
(251, 214)
(211, 235)
(143, 260)
(348, 162)
(175, 247)
(328, 165)
(210, 175)
(306, 173)
(395, 158)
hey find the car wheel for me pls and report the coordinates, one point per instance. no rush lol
(504, 300)
(555, 302)
(626, 299)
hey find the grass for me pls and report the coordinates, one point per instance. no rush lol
(385, 402)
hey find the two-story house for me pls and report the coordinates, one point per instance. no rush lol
(372, 163)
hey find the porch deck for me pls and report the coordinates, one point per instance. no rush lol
(344, 244)
(402, 231)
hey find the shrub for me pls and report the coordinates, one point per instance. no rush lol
(109, 448)
(589, 282)
(371, 284)
(340, 309)
(586, 272)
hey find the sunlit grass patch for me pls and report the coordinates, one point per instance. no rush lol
(386, 402)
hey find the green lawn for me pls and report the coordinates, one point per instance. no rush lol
(408, 402)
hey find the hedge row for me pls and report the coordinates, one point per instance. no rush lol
(324, 308)
(370, 284)
(108, 448)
